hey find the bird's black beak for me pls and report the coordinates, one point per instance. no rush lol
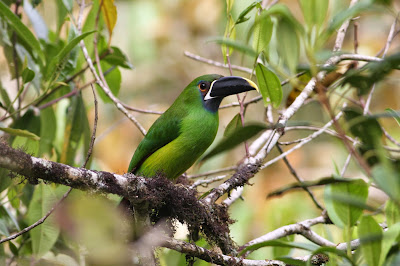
(226, 86)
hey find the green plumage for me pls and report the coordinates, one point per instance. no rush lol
(178, 137)
(184, 132)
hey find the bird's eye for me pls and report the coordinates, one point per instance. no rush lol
(203, 86)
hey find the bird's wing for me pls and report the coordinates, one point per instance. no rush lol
(163, 131)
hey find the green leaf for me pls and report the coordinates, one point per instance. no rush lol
(5, 99)
(240, 135)
(118, 58)
(58, 59)
(344, 15)
(368, 130)
(396, 115)
(27, 75)
(73, 130)
(236, 45)
(280, 243)
(20, 132)
(22, 31)
(282, 251)
(262, 32)
(113, 78)
(230, 34)
(48, 129)
(333, 250)
(370, 234)
(5, 180)
(390, 238)
(314, 12)
(45, 235)
(388, 179)
(3, 228)
(289, 44)
(345, 212)
(242, 16)
(37, 21)
(12, 195)
(233, 125)
(269, 85)
(392, 212)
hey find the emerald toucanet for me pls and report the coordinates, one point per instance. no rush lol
(183, 132)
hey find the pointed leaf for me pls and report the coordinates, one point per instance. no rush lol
(388, 179)
(240, 135)
(235, 123)
(22, 31)
(238, 46)
(118, 58)
(27, 75)
(269, 85)
(396, 115)
(390, 238)
(242, 16)
(262, 32)
(347, 211)
(370, 234)
(45, 235)
(392, 212)
(289, 44)
(109, 11)
(20, 132)
(314, 12)
(57, 60)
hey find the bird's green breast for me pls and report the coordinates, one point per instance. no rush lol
(197, 130)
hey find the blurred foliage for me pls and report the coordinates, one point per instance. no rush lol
(46, 110)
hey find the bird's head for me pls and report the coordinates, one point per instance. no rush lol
(213, 88)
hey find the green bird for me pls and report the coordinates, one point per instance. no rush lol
(183, 133)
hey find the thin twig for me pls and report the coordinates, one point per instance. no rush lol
(39, 222)
(203, 182)
(342, 31)
(216, 63)
(300, 180)
(212, 172)
(103, 85)
(305, 141)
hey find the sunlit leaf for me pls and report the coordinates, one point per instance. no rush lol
(20, 132)
(109, 11)
(370, 234)
(235, 138)
(45, 235)
(345, 212)
(269, 85)
(262, 32)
